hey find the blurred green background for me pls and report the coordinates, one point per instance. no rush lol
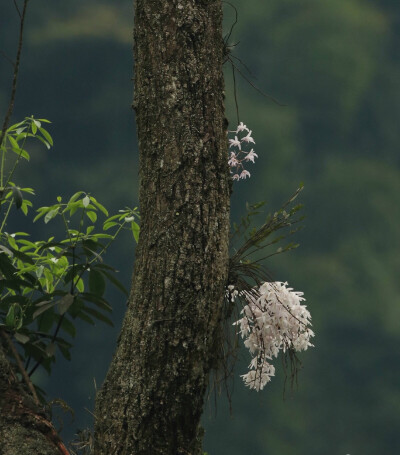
(335, 66)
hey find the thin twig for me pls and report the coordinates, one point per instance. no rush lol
(17, 8)
(3, 54)
(21, 366)
(16, 70)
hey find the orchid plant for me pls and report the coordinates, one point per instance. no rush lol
(240, 153)
(273, 320)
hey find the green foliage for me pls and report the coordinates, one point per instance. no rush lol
(46, 285)
(245, 262)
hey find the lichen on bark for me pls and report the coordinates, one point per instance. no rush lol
(152, 399)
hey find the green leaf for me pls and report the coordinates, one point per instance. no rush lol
(50, 215)
(135, 230)
(97, 283)
(64, 351)
(46, 135)
(65, 303)
(85, 318)
(46, 320)
(43, 141)
(22, 256)
(99, 206)
(13, 142)
(21, 338)
(97, 300)
(79, 285)
(115, 282)
(75, 196)
(100, 316)
(109, 224)
(68, 327)
(39, 271)
(14, 317)
(43, 306)
(92, 216)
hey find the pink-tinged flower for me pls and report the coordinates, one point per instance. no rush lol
(234, 142)
(241, 127)
(233, 161)
(235, 177)
(250, 156)
(244, 174)
(248, 138)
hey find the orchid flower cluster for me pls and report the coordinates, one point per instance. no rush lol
(273, 320)
(239, 155)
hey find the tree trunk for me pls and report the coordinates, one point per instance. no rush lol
(152, 399)
(24, 426)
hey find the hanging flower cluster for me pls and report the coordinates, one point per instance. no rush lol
(239, 155)
(273, 320)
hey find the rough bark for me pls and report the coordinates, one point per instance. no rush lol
(24, 426)
(152, 399)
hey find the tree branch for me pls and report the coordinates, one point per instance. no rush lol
(20, 366)
(16, 71)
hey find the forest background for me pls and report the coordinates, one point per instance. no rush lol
(335, 66)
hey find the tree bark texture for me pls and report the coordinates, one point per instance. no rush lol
(24, 426)
(152, 399)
